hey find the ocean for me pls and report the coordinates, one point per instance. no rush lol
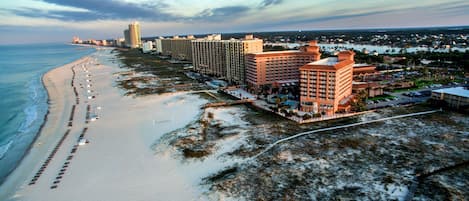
(23, 102)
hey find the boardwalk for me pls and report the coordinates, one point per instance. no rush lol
(422, 176)
(227, 103)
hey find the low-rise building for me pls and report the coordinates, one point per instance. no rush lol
(119, 42)
(400, 85)
(76, 40)
(371, 89)
(364, 71)
(147, 47)
(391, 59)
(456, 97)
(326, 85)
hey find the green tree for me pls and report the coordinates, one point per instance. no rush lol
(359, 105)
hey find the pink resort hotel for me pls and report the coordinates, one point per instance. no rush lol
(278, 67)
(326, 85)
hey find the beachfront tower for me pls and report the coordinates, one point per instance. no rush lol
(134, 35)
(224, 59)
(126, 38)
(177, 47)
(326, 85)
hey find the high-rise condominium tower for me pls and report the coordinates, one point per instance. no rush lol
(224, 58)
(134, 35)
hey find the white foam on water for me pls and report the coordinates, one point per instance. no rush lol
(32, 110)
(4, 148)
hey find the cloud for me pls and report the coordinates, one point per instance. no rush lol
(455, 10)
(117, 10)
(266, 3)
(99, 10)
(219, 14)
(107, 18)
(320, 19)
(56, 14)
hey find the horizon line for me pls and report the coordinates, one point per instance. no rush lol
(377, 29)
(329, 29)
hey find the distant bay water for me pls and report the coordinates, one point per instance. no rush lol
(329, 47)
(23, 102)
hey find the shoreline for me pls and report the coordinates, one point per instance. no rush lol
(121, 143)
(10, 183)
(23, 137)
(38, 133)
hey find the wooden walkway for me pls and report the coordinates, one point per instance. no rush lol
(224, 104)
(420, 177)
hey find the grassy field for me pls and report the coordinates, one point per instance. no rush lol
(151, 75)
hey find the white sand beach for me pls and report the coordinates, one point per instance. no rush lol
(119, 162)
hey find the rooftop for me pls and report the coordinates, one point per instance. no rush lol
(229, 40)
(277, 52)
(458, 91)
(330, 61)
(362, 65)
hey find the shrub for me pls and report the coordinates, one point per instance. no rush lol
(284, 111)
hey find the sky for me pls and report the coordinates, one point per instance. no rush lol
(39, 21)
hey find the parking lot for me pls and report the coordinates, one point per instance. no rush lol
(400, 98)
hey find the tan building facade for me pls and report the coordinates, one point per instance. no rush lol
(236, 51)
(134, 35)
(224, 58)
(267, 68)
(178, 48)
(209, 57)
(326, 85)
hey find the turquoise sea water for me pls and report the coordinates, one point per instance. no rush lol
(23, 98)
